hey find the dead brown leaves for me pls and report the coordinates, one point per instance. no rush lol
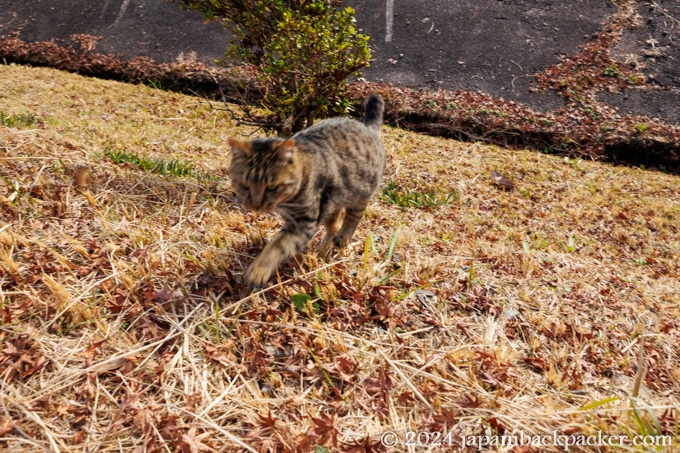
(20, 357)
(80, 57)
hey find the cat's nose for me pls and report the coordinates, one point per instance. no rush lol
(256, 199)
(257, 207)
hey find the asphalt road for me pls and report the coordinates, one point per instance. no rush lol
(492, 46)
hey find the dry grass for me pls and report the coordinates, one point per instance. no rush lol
(124, 325)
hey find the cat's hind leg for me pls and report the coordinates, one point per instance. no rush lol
(352, 218)
(332, 225)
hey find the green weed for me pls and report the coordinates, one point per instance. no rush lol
(395, 194)
(386, 257)
(305, 304)
(172, 167)
(155, 84)
(18, 120)
(611, 71)
(641, 127)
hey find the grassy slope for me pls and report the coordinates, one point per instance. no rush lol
(123, 322)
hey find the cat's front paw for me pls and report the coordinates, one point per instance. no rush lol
(258, 274)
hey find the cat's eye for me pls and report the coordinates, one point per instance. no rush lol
(272, 189)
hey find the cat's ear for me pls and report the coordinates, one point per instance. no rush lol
(286, 150)
(239, 148)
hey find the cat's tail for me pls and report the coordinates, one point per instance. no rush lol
(373, 116)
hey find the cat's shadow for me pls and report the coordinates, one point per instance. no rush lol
(222, 277)
(241, 253)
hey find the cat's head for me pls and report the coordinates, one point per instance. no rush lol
(265, 172)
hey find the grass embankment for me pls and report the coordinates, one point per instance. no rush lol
(459, 306)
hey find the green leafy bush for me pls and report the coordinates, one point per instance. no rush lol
(303, 52)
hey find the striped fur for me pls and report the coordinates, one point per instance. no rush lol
(311, 179)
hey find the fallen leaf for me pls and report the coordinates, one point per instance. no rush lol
(108, 365)
(192, 443)
(6, 425)
(82, 175)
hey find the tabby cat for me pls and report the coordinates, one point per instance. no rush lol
(310, 179)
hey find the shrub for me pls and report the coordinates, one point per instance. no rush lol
(303, 51)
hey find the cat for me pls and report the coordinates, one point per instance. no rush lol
(310, 178)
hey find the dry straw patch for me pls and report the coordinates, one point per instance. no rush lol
(124, 325)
